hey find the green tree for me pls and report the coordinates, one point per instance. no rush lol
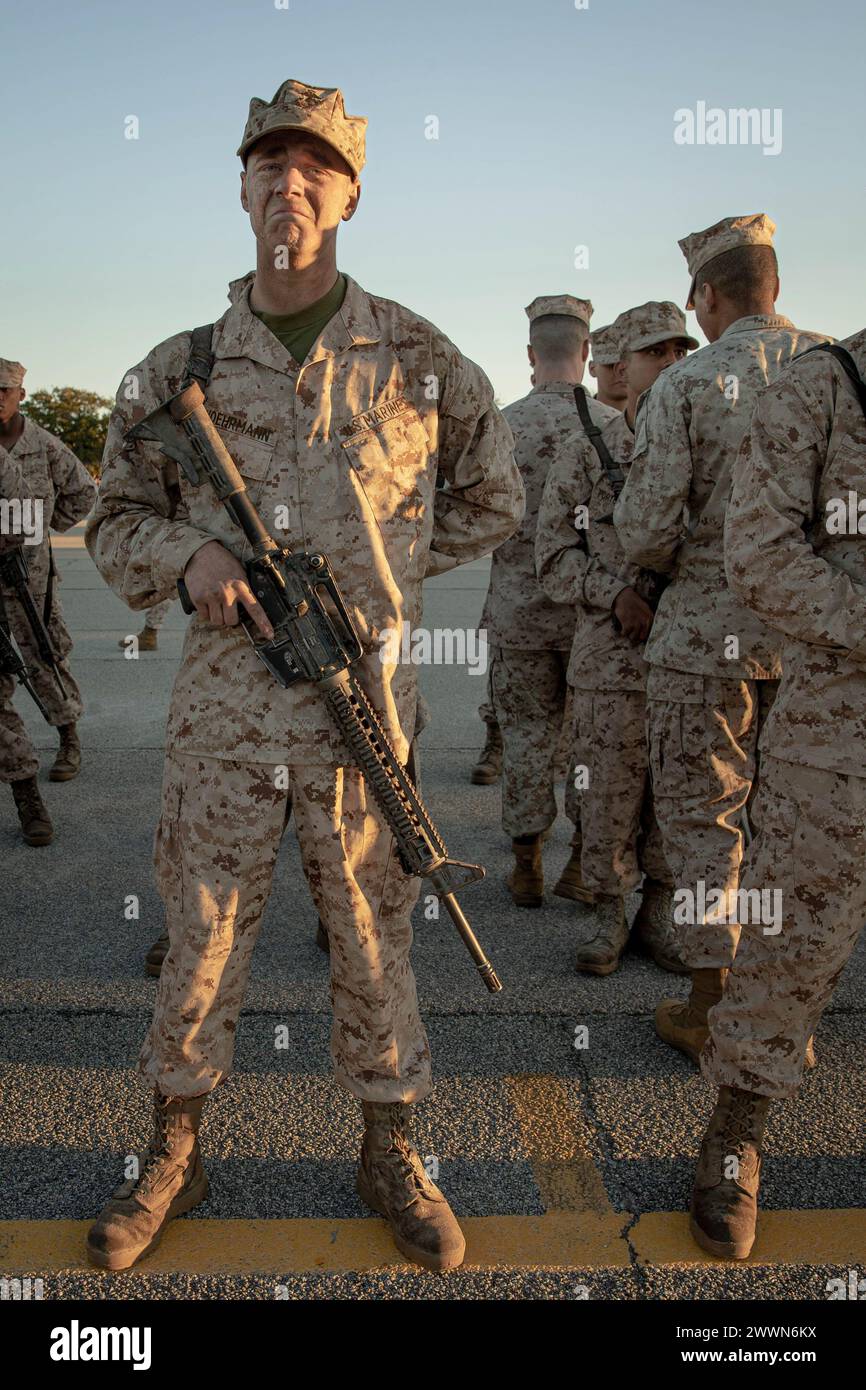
(79, 418)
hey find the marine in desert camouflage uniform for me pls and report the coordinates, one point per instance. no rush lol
(38, 467)
(339, 450)
(796, 556)
(580, 562)
(488, 769)
(714, 665)
(530, 635)
(605, 365)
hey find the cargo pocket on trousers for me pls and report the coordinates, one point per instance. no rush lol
(679, 752)
(167, 859)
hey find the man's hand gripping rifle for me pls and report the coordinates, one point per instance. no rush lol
(314, 639)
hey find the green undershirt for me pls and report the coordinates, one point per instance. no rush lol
(298, 332)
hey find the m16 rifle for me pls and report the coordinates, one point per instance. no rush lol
(314, 640)
(15, 575)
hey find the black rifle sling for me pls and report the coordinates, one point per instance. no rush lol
(848, 365)
(48, 605)
(201, 359)
(615, 475)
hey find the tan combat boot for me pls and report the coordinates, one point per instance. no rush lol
(653, 927)
(489, 766)
(601, 954)
(68, 761)
(571, 884)
(684, 1024)
(35, 820)
(171, 1181)
(724, 1209)
(156, 955)
(148, 639)
(526, 880)
(392, 1181)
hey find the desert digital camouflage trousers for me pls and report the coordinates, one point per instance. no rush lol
(156, 616)
(529, 698)
(810, 847)
(18, 757)
(486, 712)
(621, 837)
(215, 849)
(703, 736)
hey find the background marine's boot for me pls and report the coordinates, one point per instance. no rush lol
(392, 1181)
(601, 954)
(148, 639)
(683, 1024)
(724, 1208)
(489, 766)
(171, 1180)
(571, 884)
(67, 764)
(526, 880)
(653, 927)
(35, 821)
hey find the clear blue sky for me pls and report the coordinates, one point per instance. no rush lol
(556, 130)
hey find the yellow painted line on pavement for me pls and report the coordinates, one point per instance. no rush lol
(836, 1237)
(69, 540)
(557, 1136)
(558, 1240)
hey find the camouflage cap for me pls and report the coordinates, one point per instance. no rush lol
(755, 229)
(605, 344)
(657, 321)
(11, 373)
(559, 304)
(320, 110)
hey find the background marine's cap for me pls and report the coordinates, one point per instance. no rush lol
(605, 345)
(11, 373)
(559, 304)
(654, 322)
(320, 110)
(755, 229)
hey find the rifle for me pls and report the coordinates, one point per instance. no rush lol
(12, 663)
(314, 640)
(651, 584)
(15, 575)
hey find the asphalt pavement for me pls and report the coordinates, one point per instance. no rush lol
(571, 1166)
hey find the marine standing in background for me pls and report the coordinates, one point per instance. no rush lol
(795, 554)
(530, 635)
(605, 365)
(580, 562)
(322, 394)
(38, 466)
(148, 638)
(714, 665)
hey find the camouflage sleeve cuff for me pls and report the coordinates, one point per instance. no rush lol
(600, 588)
(173, 553)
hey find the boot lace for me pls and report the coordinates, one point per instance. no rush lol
(407, 1164)
(740, 1127)
(158, 1151)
